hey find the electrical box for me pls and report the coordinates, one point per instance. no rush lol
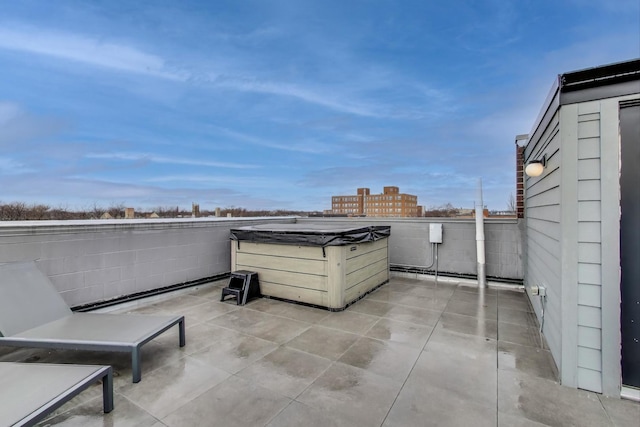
(435, 233)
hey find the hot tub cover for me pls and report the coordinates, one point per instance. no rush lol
(310, 234)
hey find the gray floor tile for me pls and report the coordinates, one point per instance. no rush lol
(462, 376)
(623, 413)
(400, 332)
(286, 371)
(421, 404)
(205, 311)
(261, 325)
(142, 308)
(437, 292)
(371, 307)
(468, 325)
(90, 414)
(180, 382)
(476, 290)
(349, 321)
(510, 332)
(198, 336)
(178, 303)
(210, 291)
(432, 303)
(467, 349)
(419, 316)
(547, 402)
(235, 402)
(231, 350)
(360, 397)
(519, 303)
(298, 414)
(533, 361)
(408, 278)
(505, 294)
(394, 296)
(289, 310)
(383, 358)
(242, 365)
(506, 420)
(479, 309)
(519, 317)
(323, 342)
(480, 299)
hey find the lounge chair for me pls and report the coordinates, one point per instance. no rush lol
(33, 314)
(30, 391)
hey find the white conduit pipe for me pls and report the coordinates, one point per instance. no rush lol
(425, 268)
(482, 276)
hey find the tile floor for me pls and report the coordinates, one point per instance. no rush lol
(412, 353)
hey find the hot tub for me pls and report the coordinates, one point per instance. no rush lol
(323, 265)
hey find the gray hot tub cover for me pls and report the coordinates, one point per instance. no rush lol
(310, 234)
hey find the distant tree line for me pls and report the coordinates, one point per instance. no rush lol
(443, 211)
(20, 211)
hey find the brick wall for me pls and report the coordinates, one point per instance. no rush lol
(519, 181)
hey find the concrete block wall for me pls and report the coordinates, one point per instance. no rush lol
(98, 260)
(409, 243)
(94, 261)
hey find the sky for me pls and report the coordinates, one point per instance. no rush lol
(281, 104)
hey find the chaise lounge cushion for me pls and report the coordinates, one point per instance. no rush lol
(33, 314)
(30, 391)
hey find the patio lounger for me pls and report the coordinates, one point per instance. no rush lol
(33, 314)
(30, 391)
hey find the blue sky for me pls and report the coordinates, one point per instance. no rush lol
(281, 104)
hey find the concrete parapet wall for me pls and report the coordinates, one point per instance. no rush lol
(98, 260)
(409, 243)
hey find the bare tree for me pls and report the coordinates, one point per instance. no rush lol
(116, 210)
(443, 211)
(511, 203)
(96, 211)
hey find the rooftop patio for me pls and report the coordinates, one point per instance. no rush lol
(411, 353)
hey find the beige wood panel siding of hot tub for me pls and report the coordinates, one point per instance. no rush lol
(297, 273)
(367, 267)
(302, 273)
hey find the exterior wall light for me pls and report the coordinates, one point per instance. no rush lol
(536, 167)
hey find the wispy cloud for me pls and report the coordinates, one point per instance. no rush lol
(311, 147)
(148, 157)
(107, 54)
(84, 49)
(264, 182)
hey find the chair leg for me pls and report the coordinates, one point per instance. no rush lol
(135, 364)
(183, 339)
(107, 391)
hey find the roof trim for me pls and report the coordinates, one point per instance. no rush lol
(607, 81)
(589, 84)
(600, 76)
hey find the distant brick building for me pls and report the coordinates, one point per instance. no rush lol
(391, 203)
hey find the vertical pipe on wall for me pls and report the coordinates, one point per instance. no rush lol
(482, 277)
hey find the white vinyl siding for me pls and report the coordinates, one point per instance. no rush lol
(572, 217)
(542, 204)
(564, 241)
(589, 248)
